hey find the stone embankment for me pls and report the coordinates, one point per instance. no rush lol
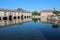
(36, 16)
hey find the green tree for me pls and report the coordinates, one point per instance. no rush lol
(56, 12)
(35, 13)
(20, 9)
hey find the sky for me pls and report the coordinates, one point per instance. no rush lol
(31, 5)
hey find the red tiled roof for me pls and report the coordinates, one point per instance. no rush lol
(47, 11)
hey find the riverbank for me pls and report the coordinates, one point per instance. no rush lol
(36, 16)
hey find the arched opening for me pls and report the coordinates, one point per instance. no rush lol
(10, 17)
(21, 16)
(24, 16)
(18, 17)
(27, 16)
(14, 17)
(0, 18)
(4, 18)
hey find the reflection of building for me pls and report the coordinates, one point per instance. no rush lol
(51, 21)
(10, 14)
(55, 23)
(14, 21)
(55, 26)
(52, 17)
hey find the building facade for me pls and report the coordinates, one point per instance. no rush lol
(13, 14)
(45, 14)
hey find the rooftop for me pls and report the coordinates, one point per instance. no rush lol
(47, 11)
(9, 10)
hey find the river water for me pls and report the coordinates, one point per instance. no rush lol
(29, 29)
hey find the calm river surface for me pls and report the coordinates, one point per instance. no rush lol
(28, 29)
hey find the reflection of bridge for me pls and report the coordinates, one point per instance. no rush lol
(14, 21)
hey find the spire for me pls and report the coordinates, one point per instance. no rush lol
(54, 9)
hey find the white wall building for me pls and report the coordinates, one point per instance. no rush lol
(45, 14)
(6, 14)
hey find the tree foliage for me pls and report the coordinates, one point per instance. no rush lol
(20, 9)
(35, 13)
(56, 12)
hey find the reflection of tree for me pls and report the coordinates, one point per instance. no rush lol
(55, 25)
(34, 19)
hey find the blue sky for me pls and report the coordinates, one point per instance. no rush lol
(30, 4)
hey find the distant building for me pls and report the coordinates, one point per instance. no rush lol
(45, 14)
(10, 14)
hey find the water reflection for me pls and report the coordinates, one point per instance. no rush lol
(20, 32)
(55, 23)
(55, 26)
(3, 23)
(35, 19)
(16, 21)
(34, 30)
(13, 21)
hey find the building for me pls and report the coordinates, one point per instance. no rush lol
(45, 14)
(13, 14)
